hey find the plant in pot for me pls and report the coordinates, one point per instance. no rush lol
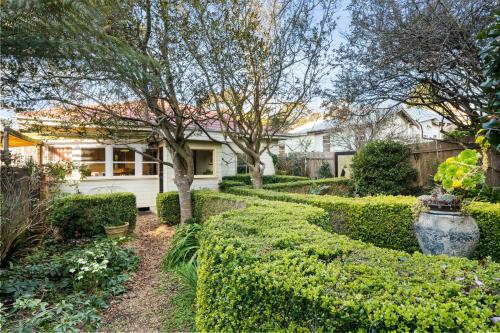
(112, 221)
(442, 226)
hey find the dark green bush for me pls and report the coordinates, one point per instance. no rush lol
(184, 246)
(382, 167)
(336, 186)
(268, 268)
(84, 215)
(268, 179)
(324, 171)
(168, 208)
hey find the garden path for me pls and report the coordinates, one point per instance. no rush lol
(140, 308)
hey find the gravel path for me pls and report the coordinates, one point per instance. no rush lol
(140, 308)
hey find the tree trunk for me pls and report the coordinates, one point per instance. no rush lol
(184, 175)
(256, 172)
(184, 188)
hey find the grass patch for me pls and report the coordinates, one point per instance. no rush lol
(179, 313)
(180, 276)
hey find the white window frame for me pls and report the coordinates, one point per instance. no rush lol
(137, 165)
(144, 149)
(81, 148)
(214, 164)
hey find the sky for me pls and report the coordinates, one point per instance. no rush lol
(343, 21)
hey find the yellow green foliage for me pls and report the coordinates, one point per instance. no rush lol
(387, 221)
(168, 208)
(461, 172)
(268, 267)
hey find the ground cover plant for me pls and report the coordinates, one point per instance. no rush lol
(61, 287)
(268, 268)
(180, 263)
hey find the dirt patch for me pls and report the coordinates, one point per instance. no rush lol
(140, 308)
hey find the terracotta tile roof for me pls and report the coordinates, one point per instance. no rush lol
(209, 121)
(127, 110)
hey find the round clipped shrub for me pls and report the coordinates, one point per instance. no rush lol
(382, 167)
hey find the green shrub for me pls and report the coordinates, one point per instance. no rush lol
(225, 184)
(268, 268)
(184, 246)
(336, 186)
(168, 208)
(382, 167)
(384, 221)
(387, 221)
(267, 179)
(81, 215)
(61, 288)
(324, 171)
(487, 216)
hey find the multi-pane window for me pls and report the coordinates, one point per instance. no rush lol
(123, 162)
(150, 164)
(242, 166)
(60, 154)
(203, 162)
(326, 143)
(95, 160)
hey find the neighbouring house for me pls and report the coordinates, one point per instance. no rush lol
(321, 135)
(117, 167)
(432, 124)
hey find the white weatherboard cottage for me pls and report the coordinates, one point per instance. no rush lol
(414, 125)
(117, 168)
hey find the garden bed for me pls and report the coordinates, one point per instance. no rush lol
(268, 266)
(61, 287)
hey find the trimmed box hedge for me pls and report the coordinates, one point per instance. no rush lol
(267, 179)
(487, 216)
(80, 215)
(265, 268)
(387, 221)
(226, 184)
(168, 207)
(336, 186)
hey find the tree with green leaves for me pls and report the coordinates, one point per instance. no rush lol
(261, 62)
(490, 56)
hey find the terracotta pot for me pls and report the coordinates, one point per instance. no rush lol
(116, 231)
(441, 232)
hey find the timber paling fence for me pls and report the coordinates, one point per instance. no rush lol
(425, 157)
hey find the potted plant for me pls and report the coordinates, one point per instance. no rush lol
(112, 222)
(442, 226)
